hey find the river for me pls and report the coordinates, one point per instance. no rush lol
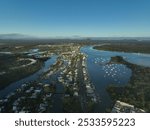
(103, 74)
(13, 86)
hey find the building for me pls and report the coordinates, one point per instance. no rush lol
(122, 107)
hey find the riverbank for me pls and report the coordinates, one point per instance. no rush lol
(136, 92)
(20, 62)
(132, 48)
(63, 79)
(16, 74)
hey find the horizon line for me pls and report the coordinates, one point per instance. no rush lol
(72, 36)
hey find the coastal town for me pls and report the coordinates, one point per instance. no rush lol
(69, 71)
(71, 77)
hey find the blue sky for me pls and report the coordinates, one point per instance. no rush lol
(95, 18)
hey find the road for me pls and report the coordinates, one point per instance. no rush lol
(82, 89)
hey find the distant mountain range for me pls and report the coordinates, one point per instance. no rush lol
(122, 38)
(16, 36)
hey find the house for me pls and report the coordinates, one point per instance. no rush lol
(122, 107)
(76, 94)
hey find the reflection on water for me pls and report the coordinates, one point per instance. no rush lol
(136, 58)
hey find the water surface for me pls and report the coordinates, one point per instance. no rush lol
(103, 74)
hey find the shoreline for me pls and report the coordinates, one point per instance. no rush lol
(136, 91)
(143, 49)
